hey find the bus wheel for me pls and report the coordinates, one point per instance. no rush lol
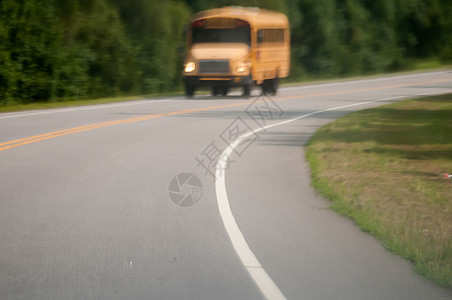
(270, 86)
(189, 91)
(266, 87)
(215, 91)
(224, 91)
(274, 86)
(246, 90)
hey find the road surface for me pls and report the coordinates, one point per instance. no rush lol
(102, 202)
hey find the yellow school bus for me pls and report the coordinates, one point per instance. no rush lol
(236, 47)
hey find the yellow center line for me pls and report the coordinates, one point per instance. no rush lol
(54, 134)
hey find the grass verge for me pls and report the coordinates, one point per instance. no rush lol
(382, 167)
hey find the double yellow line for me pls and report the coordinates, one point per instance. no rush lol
(54, 134)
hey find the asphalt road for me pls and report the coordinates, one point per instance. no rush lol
(86, 213)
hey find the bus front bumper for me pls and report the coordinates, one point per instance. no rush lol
(217, 80)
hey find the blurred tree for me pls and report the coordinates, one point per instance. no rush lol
(32, 59)
(156, 30)
(315, 37)
(106, 50)
(54, 50)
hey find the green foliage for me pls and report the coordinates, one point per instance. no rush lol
(344, 37)
(55, 50)
(106, 51)
(29, 51)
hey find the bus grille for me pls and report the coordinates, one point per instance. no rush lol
(217, 66)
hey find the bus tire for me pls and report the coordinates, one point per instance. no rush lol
(224, 91)
(189, 91)
(216, 91)
(270, 86)
(274, 86)
(266, 87)
(247, 90)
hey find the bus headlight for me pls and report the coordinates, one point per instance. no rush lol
(241, 68)
(190, 67)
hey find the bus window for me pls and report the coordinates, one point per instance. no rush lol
(272, 36)
(240, 33)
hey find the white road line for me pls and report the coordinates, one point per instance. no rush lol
(52, 111)
(364, 80)
(434, 93)
(266, 285)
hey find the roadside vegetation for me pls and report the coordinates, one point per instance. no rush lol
(66, 50)
(384, 167)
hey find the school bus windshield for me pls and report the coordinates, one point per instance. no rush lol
(238, 34)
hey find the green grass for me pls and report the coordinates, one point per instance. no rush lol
(382, 168)
(426, 64)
